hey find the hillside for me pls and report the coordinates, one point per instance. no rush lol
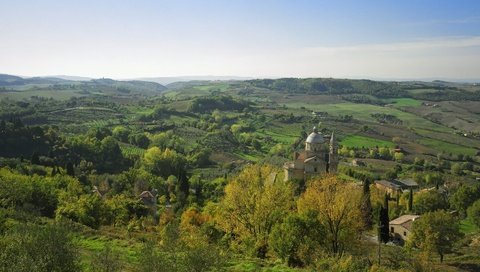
(135, 175)
(23, 88)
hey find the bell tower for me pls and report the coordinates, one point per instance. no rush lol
(333, 155)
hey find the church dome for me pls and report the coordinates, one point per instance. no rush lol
(315, 137)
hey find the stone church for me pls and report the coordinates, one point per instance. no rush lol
(320, 156)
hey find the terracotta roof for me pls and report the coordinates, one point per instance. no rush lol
(310, 159)
(302, 155)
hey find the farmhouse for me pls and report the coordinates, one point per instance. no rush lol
(388, 186)
(401, 227)
(396, 185)
(147, 198)
(320, 156)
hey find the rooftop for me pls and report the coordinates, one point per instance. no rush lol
(408, 182)
(146, 194)
(315, 138)
(404, 220)
(388, 184)
(398, 184)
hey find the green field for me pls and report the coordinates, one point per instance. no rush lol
(405, 102)
(447, 147)
(363, 112)
(89, 246)
(362, 141)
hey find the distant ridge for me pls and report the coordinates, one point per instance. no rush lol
(72, 78)
(168, 80)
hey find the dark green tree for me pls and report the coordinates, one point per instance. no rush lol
(366, 205)
(297, 239)
(464, 197)
(70, 169)
(383, 228)
(474, 213)
(35, 159)
(429, 201)
(410, 200)
(435, 232)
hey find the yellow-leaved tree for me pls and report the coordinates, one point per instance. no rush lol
(337, 205)
(254, 202)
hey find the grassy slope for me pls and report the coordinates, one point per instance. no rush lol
(359, 141)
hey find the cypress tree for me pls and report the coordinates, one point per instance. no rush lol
(410, 200)
(366, 205)
(35, 159)
(384, 234)
(70, 170)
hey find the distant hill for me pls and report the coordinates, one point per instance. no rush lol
(126, 86)
(72, 78)
(9, 80)
(169, 80)
(83, 86)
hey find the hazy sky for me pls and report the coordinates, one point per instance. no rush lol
(269, 38)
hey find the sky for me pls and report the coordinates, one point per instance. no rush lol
(377, 39)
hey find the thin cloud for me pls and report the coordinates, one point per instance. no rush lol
(436, 22)
(426, 44)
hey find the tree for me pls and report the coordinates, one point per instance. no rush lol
(253, 204)
(121, 133)
(297, 239)
(164, 163)
(70, 170)
(35, 159)
(384, 153)
(32, 248)
(383, 221)
(399, 156)
(474, 213)
(435, 232)
(410, 200)
(390, 175)
(429, 201)
(366, 207)
(85, 209)
(464, 197)
(107, 260)
(201, 158)
(457, 169)
(100, 133)
(336, 204)
(112, 157)
(179, 253)
(433, 179)
(139, 139)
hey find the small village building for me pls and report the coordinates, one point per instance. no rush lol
(407, 184)
(320, 156)
(97, 191)
(401, 227)
(396, 186)
(358, 163)
(147, 198)
(389, 187)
